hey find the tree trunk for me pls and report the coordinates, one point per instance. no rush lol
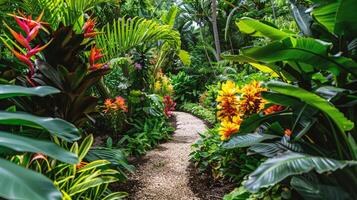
(215, 29)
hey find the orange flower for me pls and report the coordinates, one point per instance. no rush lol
(115, 104)
(288, 132)
(81, 165)
(273, 109)
(228, 128)
(120, 102)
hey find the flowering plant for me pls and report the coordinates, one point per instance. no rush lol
(235, 104)
(169, 105)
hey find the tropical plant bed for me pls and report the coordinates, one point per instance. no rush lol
(205, 187)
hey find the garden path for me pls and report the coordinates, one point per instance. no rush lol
(164, 176)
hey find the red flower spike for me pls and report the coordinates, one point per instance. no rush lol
(95, 55)
(33, 33)
(88, 28)
(37, 49)
(18, 37)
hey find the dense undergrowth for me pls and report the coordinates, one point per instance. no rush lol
(85, 85)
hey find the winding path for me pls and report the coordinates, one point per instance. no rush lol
(164, 176)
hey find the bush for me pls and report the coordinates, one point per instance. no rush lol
(199, 111)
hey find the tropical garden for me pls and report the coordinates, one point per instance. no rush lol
(90, 88)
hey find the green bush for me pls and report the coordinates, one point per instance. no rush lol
(210, 157)
(206, 114)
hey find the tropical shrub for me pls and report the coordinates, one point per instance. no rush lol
(86, 180)
(220, 163)
(311, 142)
(70, 73)
(25, 135)
(184, 87)
(206, 114)
(145, 135)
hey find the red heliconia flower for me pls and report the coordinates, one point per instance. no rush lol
(95, 55)
(88, 28)
(169, 106)
(31, 29)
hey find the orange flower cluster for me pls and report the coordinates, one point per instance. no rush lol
(288, 132)
(115, 104)
(235, 104)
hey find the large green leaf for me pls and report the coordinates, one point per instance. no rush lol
(313, 100)
(19, 183)
(55, 126)
(276, 169)
(8, 91)
(311, 52)
(338, 17)
(24, 144)
(258, 29)
(315, 191)
(247, 140)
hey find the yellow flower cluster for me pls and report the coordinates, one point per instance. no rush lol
(163, 86)
(251, 101)
(234, 104)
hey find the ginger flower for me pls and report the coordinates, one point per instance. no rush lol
(120, 102)
(95, 55)
(228, 128)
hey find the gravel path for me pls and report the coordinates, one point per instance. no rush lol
(164, 175)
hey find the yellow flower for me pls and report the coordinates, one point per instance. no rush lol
(227, 129)
(157, 86)
(251, 101)
(229, 88)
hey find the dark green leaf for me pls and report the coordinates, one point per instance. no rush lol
(55, 126)
(24, 144)
(276, 169)
(8, 91)
(20, 183)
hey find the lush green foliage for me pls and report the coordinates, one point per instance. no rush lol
(14, 141)
(200, 111)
